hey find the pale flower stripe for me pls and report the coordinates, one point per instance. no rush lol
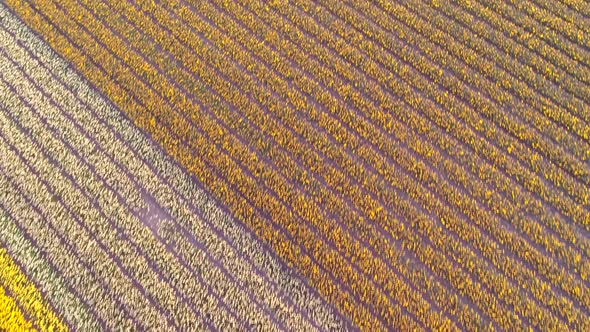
(126, 159)
(287, 283)
(89, 180)
(149, 181)
(119, 249)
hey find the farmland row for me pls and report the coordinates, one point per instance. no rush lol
(518, 34)
(570, 12)
(128, 191)
(509, 148)
(555, 25)
(535, 31)
(556, 134)
(576, 106)
(275, 236)
(170, 172)
(101, 168)
(50, 283)
(121, 188)
(11, 316)
(582, 196)
(536, 167)
(112, 265)
(54, 247)
(413, 19)
(73, 163)
(578, 5)
(463, 26)
(28, 300)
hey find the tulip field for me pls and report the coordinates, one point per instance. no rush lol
(295, 165)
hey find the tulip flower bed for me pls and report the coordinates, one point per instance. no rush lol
(295, 165)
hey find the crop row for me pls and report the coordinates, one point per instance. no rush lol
(491, 46)
(152, 247)
(580, 193)
(228, 177)
(518, 133)
(203, 235)
(49, 244)
(533, 32)
(21, 298)
(409, 13)
(369, 33)
(129, 194)
(570, 11)
(137, 269)
(128, 191)
(99, 168)
(52, 286)
(578, 6)
(525, 44)
(556, 26)
(112, 271)
(164, 90)
(172, 204)
(571, 111)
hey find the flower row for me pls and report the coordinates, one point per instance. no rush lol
(280, 189)
(149, 188)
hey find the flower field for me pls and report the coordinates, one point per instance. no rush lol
(295, 165)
